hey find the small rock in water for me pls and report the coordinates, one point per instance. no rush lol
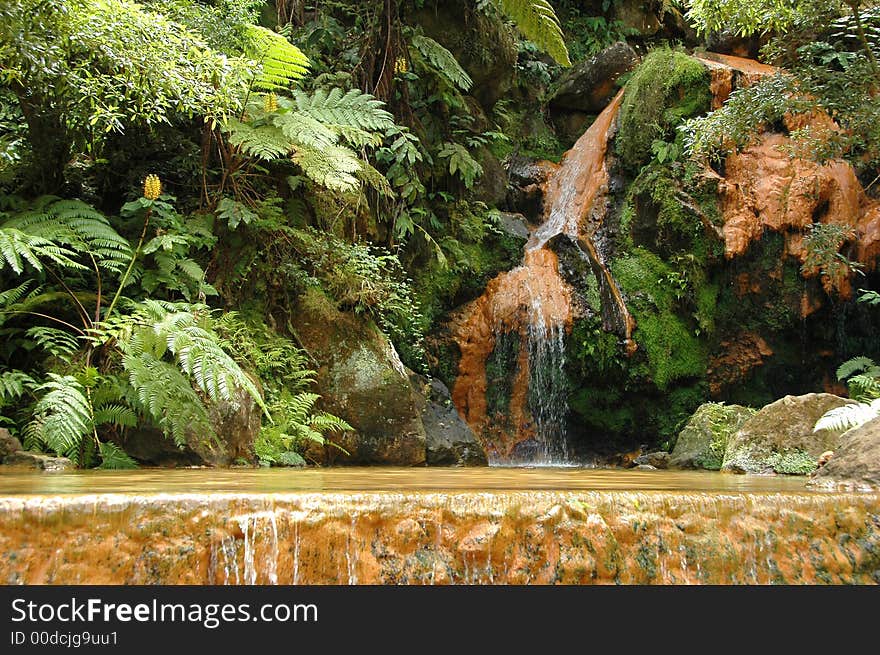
(8, 443)
(658, 460)
(646, 467)
(825, 457)
(38, 461)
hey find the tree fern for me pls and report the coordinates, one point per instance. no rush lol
(442, 61)
(538, 23)
(113, 457)
(265, 142)
(333, 167)
(282, 64)
(18, 248)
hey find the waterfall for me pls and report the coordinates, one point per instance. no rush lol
(517, 403)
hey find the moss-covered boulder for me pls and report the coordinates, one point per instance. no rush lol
(8, 443)
(361, 379)
(779, 438)
(856, 461)
(703, 441)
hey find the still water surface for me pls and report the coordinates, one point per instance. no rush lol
(373, 479)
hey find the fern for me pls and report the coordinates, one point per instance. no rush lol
(863, 378)
(18, 248)
(282, 64)
(57, 343)
(443, 61)
(461, 163)
(75, 225)
(113, 457)
(345, 109)
(538, 23)
(333, 167)
(848, 417)
(265, 142)
(62, 417)
(854, 365)
(13, 385)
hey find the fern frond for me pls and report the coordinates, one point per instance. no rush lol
(113, 457)
(265, 142)
(333, 167)
(282, 64)
(461, 163)
(854, 365)
(443, 61)
(57, 343)
(848, 417)
(324, 422)
(337, 108)
(18, 248)
(300, 128)
(62, 416)
(12, 296)
(118, 415)
(76, 225)
(13, 384)
(375, 179)
(538, 22)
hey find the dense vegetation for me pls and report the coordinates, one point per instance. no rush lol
(175, 176)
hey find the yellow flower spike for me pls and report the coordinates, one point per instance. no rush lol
(270, 103)
(152, 187)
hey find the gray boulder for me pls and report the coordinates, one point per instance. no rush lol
(779, 438)
(449, 440)
(589, 85)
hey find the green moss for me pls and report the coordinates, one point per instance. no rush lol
(795, 462)
(668, 87)
(673, 350)
(501, 372)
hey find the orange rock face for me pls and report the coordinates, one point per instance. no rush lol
(736, 359)
(534, 537)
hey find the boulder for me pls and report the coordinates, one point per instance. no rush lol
(27, 459)
(703, 441)
(449, 440)
(491, 186)
(361, 379)
(8, 444)
(589, 85)
(657, 460)
(513, 224)
(855, 464)
(236, 426)
(779, 438)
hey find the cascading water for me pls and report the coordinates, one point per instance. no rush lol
(516, 402)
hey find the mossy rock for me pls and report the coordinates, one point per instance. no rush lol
(667, 88)
(703, 441)
(361, 379)
(780, 439)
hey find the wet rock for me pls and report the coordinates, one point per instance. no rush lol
(150, 446)
(27, 459)
(645, 467)
(513, 224)
(639, 17)
(8, 444)
(656, 460)
(449, 440)
(524, 171)
(703, 441)
(491, 186)
(728, 42)
(779, 438)
(360, 378)
(855, 463)
(589, 86)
